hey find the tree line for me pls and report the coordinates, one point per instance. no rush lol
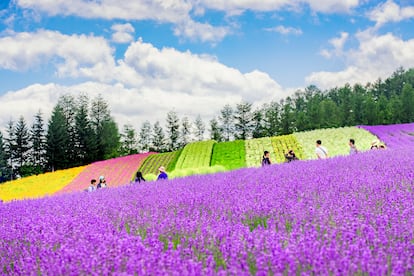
(81, 131)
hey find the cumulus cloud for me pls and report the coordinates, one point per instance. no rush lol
(376, 56)
(73, 55)
(337, 44)
(390, 12)
(200, 31)
(285, 30)
(123, 33)
(144, 85)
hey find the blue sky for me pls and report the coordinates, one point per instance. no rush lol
(192, 56)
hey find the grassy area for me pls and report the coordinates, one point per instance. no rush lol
(230, 155)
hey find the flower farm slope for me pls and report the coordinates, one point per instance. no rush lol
(335, 140)
(255, 149)
(341, 216)
(117, 171)
(231, 155)
(282, 144)
(394, 136)
(38, 186)
(196, 155)
(154, 161)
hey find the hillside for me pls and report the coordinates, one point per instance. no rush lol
(207, 157)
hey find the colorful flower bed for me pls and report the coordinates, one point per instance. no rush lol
(117, 171)
(255, 149)
(38, 185)
(394, 136)
(195, 155)
(282, 144)
(231, 155)
(335, 140)
(344, 216)
(154, 161)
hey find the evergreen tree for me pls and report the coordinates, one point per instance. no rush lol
(101, 122)
(226, 120)
(215, 132)
(185, 131)
(4, 172)
(258, 124)
(407, 98)
(21, 152)
(173, 125)
(10, 147)
(286, 117)
(57, 141)
(110, 139)
(67, 104)
(129, 143)
(271, 119)
(244, 124)
(38, 142)
(158, 138)
(200, 128)
(145, 137)
(85, 139)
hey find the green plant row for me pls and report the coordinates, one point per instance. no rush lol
(254, 151)
(230, 155)
(154, 161)
(282, 144)
(195, 155)
(335, 140)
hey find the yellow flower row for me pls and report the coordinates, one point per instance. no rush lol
(38, 185)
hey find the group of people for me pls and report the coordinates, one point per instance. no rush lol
(320, 151)
(102, 184)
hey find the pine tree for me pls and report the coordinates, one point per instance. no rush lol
(200, 128)
(4, 172)
(145, 136)
(10, 148)
(173, 132)
(185, 131)
(67, 104)
(21, 152)
(215, 132)
(57, 141)
(129, 143)
(226, 122)
(243, 117)
(85, 139)
(38, 141)
(158, 138)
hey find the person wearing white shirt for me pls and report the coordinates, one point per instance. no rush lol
(321, 152)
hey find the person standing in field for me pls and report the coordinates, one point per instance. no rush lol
(163, 175)
(139, 177)
(321, 151)
(102, 182)
(266, 159)
(92, 187)
(291, 156)
(352, 147)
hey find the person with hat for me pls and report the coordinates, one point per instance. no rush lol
(163, 175)
(102, 182)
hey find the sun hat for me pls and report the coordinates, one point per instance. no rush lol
(161, 169)
(101, 177)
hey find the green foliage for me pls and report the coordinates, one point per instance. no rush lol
(282, 144)
(231, 155)
(154, 161)
(334, 140)
(194, 155)
(192, 171)
(255, 149)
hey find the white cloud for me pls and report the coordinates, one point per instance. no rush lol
(285, 30)
(337, 44)
(377, 56)
(390, 12)
(123, 33)
(200, 31)
(332, 6)
(72, 55)
(146, 84)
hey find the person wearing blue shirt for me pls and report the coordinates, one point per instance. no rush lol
(163, 174)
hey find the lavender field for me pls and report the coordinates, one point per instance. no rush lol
(342, 216)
